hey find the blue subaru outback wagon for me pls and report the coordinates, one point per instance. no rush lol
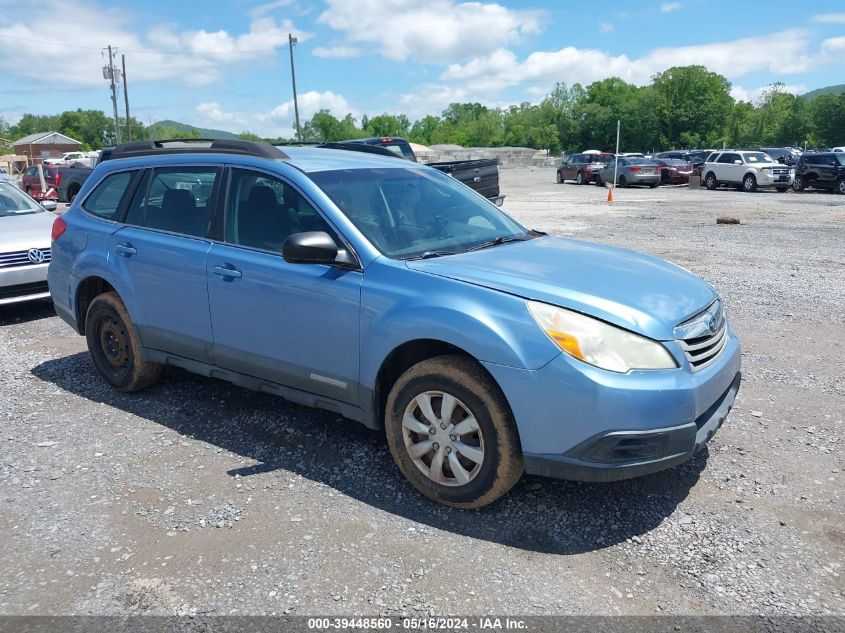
(394, 295)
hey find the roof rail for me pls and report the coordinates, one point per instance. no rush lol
(197, 146)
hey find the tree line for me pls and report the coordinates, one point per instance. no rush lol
(683, 107)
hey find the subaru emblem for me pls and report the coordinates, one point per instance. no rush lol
(35, 255)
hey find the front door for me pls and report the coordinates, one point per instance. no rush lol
(162, 252)
(293, 324)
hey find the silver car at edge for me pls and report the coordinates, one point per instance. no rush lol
(633, 170)
(25, 228)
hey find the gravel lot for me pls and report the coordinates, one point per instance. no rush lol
(197, 497)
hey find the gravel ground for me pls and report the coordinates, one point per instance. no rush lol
(197, 497)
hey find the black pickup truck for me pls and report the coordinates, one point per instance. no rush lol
(72, 178)
(481, 175)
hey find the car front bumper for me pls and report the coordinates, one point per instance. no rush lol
(24, 283)
(579, 422)
(765, 179)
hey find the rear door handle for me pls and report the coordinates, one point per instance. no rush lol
(224, 271)
(125, 249)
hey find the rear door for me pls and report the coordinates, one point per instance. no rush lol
(161, 250)
(727, 170)
(293, 324)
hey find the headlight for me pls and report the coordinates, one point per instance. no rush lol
(597, 343)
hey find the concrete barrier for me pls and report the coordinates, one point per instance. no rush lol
(508, 156)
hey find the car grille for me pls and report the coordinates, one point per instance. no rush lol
(21, 258)
(701, 343)
(780, 171)
(23, 290)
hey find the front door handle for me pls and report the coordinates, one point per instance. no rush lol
(224, 271)
(126, 249)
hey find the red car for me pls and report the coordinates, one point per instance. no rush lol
(674, 171)
(31, 182)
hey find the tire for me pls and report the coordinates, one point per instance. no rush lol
(114, 346)
(72, 195)
(653, 185)
(749, 183)
(798, 183)
(493, 438)
(579, 178)
(599, 181)
(781, 189)
(840, 186)
(623, 182)
(710, 181)
(558, 178)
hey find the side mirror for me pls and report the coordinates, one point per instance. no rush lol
(49, 205)
(737, 162)
(310, 247)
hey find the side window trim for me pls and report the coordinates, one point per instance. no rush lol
(124, 200)
(229, 167)
(131, 190)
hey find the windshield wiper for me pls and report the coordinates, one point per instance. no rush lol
(504, 239)
(430, 254)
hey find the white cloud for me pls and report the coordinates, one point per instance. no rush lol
(336, 51)
(668, 7)
(192, 57)
(753, 96)
(269, 7)
(436, 31)
(606, 27)
(571, 65)
(280, 121)
(832, 47)
(830, 18)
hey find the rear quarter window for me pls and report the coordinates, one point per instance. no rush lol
(104, 201)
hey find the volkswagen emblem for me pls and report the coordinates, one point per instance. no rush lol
(35, 255)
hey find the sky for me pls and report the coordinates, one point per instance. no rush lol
(226, 65)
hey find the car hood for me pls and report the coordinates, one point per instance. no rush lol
(638, 292)
(22, 232)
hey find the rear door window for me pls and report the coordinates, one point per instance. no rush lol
(105, 200)
(176, 200)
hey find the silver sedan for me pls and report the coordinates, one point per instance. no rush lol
(632, 171)
(25, 228)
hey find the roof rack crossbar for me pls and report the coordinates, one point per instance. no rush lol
(197, 145)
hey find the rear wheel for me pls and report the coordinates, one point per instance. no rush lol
(653, 184)
(114, 345)
(749, 183)
(710, 181)
(452, 433)
(623, 182)
(72, 194)
(798, 183)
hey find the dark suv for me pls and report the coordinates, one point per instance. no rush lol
(582, 168)
(820, 171)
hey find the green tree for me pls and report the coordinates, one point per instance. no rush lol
(828, 119)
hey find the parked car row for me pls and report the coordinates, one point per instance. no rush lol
(747, 170)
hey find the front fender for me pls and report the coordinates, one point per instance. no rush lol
(401, 305)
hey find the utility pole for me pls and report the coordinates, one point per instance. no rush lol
(108, 73)
(126, 100)
(291, 42)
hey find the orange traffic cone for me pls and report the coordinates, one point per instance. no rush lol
(610, 195)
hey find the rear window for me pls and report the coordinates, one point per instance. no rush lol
(104, 201)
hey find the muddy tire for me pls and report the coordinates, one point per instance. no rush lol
(452, 433)
(114, 346)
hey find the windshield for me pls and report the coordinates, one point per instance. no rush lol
(13, 201)
(417, 211)
(757, 157)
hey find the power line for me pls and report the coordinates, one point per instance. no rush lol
(145, 52)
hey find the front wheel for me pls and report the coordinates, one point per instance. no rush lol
(558, 178)
(798, 183)
(749, 184)
(781, 189)
(840, 186)
(114, 345)
(452, 433)
(579, 178)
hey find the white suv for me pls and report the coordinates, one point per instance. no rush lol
(746, 170)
